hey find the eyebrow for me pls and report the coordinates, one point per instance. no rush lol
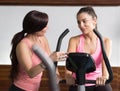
(83, 19)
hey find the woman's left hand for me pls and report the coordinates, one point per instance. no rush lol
(100, 81)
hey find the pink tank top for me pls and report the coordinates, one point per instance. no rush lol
(97, 56)
(23, 80)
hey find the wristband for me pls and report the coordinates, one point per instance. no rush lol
(43, 66)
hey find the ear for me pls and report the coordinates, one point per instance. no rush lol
(95, 21)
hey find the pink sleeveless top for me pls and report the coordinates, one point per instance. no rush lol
(23, 80)
(97, 56)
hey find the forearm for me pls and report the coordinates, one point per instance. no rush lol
(35, 70)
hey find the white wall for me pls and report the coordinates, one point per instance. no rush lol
(61, 17)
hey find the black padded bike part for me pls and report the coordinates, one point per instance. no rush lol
(80, 61)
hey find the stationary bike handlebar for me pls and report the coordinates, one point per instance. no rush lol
(105, 57)
(63, 81)
(49, 66)
(60, 41)
(106, 60)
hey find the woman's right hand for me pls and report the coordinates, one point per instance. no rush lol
(58, 56)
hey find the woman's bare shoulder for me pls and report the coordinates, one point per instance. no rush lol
(22, 45)
(107, 41)
(75, 37)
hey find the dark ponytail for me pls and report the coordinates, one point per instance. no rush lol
(14, 67)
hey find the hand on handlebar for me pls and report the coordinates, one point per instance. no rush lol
(100, 81)
(58, 56)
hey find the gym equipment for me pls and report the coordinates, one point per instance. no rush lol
(51, 67)
(60, 41)
(80, 63)
(107, 63)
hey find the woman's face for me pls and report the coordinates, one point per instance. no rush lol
(86, 22)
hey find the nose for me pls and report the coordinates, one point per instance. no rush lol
(81, 25)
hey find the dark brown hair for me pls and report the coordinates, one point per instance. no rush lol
(34, 21)
(88, 10)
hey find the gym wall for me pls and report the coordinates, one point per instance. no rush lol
(60, 18)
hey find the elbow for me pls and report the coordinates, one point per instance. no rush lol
(30, 74)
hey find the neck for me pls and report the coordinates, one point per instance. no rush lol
(34, 38)
(90, 36)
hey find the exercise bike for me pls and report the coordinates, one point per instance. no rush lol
(80, 67)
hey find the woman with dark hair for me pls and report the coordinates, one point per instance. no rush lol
(27, 68)
(88, 42)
